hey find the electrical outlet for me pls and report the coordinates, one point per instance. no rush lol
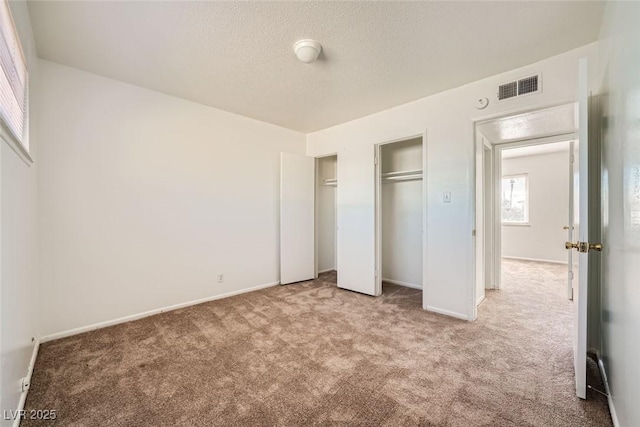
(24, 384)
(220, 278)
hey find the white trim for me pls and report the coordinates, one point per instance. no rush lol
(23, 395)
(129, 318)
(405, 284)
(327, 270)
(535, 259)
(612, 409)
(446, 312)
(480, 300)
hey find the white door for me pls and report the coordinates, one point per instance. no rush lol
(573, 216)
(580, 183)
(356, 219)
(297, 226)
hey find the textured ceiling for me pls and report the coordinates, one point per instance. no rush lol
(237, 56)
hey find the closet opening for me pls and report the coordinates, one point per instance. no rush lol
(400, 208)
(326, 212)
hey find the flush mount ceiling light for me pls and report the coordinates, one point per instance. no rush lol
(307, 50)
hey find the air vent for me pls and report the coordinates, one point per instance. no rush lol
(525, 86)
(528, 85)
(508, 90)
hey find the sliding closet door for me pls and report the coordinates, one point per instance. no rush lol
(297, 226)
(356, 219)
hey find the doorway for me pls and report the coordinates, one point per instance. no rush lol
(326, 213)
(535, 213)
(527, 145)
(400, 213)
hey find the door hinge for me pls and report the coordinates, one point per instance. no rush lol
(375, 273)
(375, 160)
(572, 158)
(571, 275)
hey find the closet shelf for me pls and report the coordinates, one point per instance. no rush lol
(411, 175)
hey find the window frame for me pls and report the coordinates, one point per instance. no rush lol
(525, 222)
(20, 145)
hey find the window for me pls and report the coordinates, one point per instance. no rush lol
(515, 199)
(13, 79)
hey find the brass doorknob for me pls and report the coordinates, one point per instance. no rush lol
(584, 246)
(571, 245)
(566, 227)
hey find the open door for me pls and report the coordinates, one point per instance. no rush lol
(356, 219)
(583, 246)
(573, 216)
(297, 221)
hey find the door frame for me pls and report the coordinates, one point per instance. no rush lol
(495, 179)
(378, 210)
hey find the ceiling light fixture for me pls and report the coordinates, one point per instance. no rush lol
(307, 50)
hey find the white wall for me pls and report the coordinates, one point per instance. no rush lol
(326, 211)
(19, 234)
(145, 198)
(543, 239)
(447, 117)
(401, 212)
(620, 51)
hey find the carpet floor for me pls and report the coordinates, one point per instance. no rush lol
(313, 354)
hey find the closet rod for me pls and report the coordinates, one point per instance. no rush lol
(401, 173)
(391, 179)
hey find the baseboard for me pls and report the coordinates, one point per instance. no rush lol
(446, 312)
(23, 396)
(326, 271)
(612, 409)
(100, 325)
(480, 300)
(405, 284)
(535, 260)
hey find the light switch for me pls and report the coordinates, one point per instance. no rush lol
(446, 197)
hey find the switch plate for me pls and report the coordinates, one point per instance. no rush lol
(220, 278)
(446, 197)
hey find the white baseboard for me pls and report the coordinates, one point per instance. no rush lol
(23, 396)
(446, 312)
(535, 259)
(405, 284)
(480, 300)
(326, 271)
(129, 318)
(612, 409)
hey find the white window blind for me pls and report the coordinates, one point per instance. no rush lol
(13, 79)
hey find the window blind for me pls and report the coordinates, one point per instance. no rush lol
(13, 79)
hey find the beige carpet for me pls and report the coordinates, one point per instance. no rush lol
(311, 353)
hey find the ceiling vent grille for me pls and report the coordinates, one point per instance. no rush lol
(508, 90)
(525, 86)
